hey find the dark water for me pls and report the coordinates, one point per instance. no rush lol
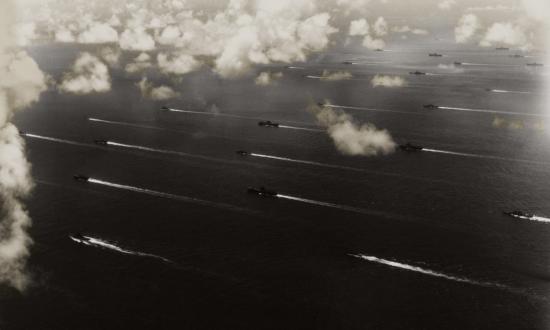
(282, 264)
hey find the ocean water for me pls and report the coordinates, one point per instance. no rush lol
(405, 241)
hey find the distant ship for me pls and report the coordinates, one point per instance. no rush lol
(520, 215)
(410, 147)
(348, 62)
(457, 63)
(435, 55)
(502, 48)
(418, 73)
(430, 106)
(243, 153)
(378, 50)
(164, 108)
(534, 64)
(268, 123)
(81, 178)
(101, 142)
(517, 56)
(262, 192)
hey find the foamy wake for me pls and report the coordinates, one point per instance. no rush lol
(493, 111)
(96, 242)
(51, 139)
(463, 154)
(489, 64)
(428, 272)
(325, 204)
(221, 114)
(369, 109)
(540, 219)
(301, 128)
(168, 195)
(502, 91)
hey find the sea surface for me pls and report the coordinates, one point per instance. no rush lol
(404, 241)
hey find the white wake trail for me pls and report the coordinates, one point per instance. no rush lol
(325, 204)
(369, 109)
(493, 111)
(120, 123)
(346, 168)
(540, 219)
(227, 115)
(301, 128)
(91, 241)
(306, 162)
(502, 91)
(428, 272)
(488, 64)
(213, 114)
(463, 154)
(168, 195)
(51, 139)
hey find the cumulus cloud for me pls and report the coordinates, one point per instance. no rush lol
(136, 39)
(88, 75)
(446, 4)
(267, 78)
(336, 76)
(98, 33)
(373, 43)
(451, 67)
(26, 33)
(64, 35)
(388, 81)
(178, 64)
(352, 6)
(467, 27)
(140, 63)
(380, 27)
(359, 27)
(110, 55)
(508, 34)
(160, 93)
(351, 138)
(21, 84)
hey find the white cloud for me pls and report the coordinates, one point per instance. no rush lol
(388, 81)
(21, 84)
(64, 35)
(336, 76)
(446, 4)
(88, 75)
(359, 27)
(372, 43)
(110, 55)
(179, 64)
(136, 39)
(98, 33)
(351, 138)
(537, 9)
(380, 27)
(160, 93)
(267, 78)
(26, 33)
(467, 27)
(506, 34)
(140, 63)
